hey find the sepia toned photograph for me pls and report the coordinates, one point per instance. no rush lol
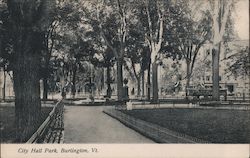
(124, 72)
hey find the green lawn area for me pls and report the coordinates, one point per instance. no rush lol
(215, 126)
(7, 122)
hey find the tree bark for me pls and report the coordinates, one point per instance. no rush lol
(143, 84)
(26, 84)
(119, 80)
(138, 86)
(4, 84)
(148, 83)
(73, 88)
(155, 82)
(188, 77)
(47, 59)
(108, 82)
(215, 69)
(29, 20)
(46, 75)
(45, 88)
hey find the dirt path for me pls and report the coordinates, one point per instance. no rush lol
(84, 124)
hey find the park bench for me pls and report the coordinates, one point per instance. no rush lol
(51, 130)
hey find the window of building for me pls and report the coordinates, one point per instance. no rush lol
(208, 78)
(219, 78)
(230, 88)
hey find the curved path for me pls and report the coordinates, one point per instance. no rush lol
(85, 124)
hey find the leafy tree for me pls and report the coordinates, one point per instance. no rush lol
(240, 63)
(110, 20)
(28, 22)
(70, 52)
(6, 44)
(46, 56)
(187, 35)
(80, 52)
(152, 19)
(136, 65)
(66, 17)
(171, 75)
(221, 11)
(137, 53)
(107, 61)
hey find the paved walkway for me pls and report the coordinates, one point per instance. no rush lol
(83, 124)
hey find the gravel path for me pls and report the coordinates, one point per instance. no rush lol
(84, 124)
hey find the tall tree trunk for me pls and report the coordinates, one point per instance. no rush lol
(45, 88)
(4, 84)
(26, 83)
(102, 80)
(143, 83)
(28, 32)
(46, 74)
(138, 86)
(188, 77)
(73, 88)
(47, 66)
(221, 13)
(108, 82)
(148, 83)
(119, 80)
(215, 69)
(155, 82)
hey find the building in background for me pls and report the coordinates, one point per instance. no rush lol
(6, 85)
(236, 85)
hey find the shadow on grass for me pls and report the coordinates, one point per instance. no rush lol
(216, 126)
(7, 122)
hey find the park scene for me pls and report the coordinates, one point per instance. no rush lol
(124, 71)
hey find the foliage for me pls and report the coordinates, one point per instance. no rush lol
(187, 34)
(240, 63)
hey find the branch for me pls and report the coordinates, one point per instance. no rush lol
(182, 48)
(215, 21)
(160, 32)
(133, 66)
(109, 44)
(196, 51)
(129, 70)
(225, 17)
(148, 42)
(149, 23)
(103, 35)
(123, 32)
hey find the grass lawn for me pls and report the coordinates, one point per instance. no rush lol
(216, 126)
(7, 122)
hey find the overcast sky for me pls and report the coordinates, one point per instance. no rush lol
(242, 19)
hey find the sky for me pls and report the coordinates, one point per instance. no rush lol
(241, 17)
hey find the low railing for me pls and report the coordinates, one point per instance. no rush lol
(199, 105)
(158, 133)
(43, 127)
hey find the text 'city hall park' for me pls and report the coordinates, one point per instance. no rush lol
(119, 71)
